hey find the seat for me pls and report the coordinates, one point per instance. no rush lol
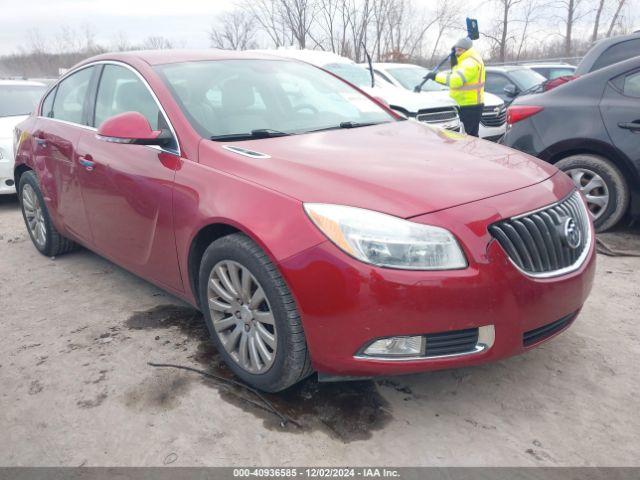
(238, 96)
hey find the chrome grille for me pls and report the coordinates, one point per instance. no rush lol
(437, 115)
(545, 242)
(494, 116)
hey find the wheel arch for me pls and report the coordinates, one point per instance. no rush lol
(567, 148)
(18, 172)
(205, 236)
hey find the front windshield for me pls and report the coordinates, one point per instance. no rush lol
(19, 99)
(355, 74)
(410, 77)
(234, 97)
(527, 78)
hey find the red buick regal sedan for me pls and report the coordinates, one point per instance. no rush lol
(316, 229)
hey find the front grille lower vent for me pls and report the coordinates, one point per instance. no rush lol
(437, 115)
(548, 241)
(494, 116)
(540, 333)
(451, 343)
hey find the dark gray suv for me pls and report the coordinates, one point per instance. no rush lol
(590, 129)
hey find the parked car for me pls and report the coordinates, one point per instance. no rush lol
(551, 71)
(590, 129)
(436, 110)
(18, 98)
(508, 82)
(608, 51)
(316, 228)
(408, 76)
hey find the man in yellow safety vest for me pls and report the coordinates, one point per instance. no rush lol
(466, 83)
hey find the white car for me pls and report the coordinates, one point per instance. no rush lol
(407, 76)
(438, 110)
(18, 98)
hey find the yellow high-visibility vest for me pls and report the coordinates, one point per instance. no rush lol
(466, 79)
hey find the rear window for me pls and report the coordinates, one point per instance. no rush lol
(617, 53)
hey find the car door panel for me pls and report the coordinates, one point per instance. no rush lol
(128, 189)
(128, 193)
(56, 164)
(56, 137)
(620, 111)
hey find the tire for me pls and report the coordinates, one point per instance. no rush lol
(232, 257)
(44, 235)
(584, 168)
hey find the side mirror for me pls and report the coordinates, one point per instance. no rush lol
(511, 90)
(132, 128)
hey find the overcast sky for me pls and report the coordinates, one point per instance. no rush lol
(184, 21)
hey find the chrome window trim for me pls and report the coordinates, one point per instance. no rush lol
(486, 339)
(579, 261)
(178, 151)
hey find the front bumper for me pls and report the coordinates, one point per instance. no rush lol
(345, 304)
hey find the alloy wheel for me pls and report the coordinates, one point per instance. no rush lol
(242, 317)
(594, 189)
(34, 215)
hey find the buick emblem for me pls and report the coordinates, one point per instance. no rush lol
(571, 233)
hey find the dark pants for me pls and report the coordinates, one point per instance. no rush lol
(470, 116)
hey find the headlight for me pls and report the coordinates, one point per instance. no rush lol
(387, 241)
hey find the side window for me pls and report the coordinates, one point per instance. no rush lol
(47, 104)
(71, 96)
(120, 91)
(495, 83)
(617, 53)
(631, 86)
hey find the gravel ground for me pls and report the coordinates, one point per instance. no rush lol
(76, 389)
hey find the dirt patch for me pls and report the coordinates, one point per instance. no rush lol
(347, 410)
(159, 392)
(93, 402)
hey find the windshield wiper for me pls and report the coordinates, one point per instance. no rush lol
(254, 134)
(349, 124)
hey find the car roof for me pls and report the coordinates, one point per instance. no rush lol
(505, 68)
(394, 65)
(548, 65)
(598, 48)
(21, 83)
(319, 58)
(161, 57)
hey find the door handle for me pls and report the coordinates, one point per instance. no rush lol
(633, 126)
(87, 162)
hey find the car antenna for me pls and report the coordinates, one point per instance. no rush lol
(373, 78)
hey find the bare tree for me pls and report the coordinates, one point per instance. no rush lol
(156, 43)
(447, 15)
(298, 17)
(616, 15)
(270, 17)
(596, 21)
(235, 30)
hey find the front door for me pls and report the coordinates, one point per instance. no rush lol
(128, 189)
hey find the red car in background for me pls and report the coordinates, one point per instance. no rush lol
(315, 228)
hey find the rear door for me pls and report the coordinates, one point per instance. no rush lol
(63, 120)
(620, 109)
(128, 189)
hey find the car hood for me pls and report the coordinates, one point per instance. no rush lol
(409, 101)
(402, 168)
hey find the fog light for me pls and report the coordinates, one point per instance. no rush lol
(396, 347)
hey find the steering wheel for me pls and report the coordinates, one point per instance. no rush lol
(306, 106)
